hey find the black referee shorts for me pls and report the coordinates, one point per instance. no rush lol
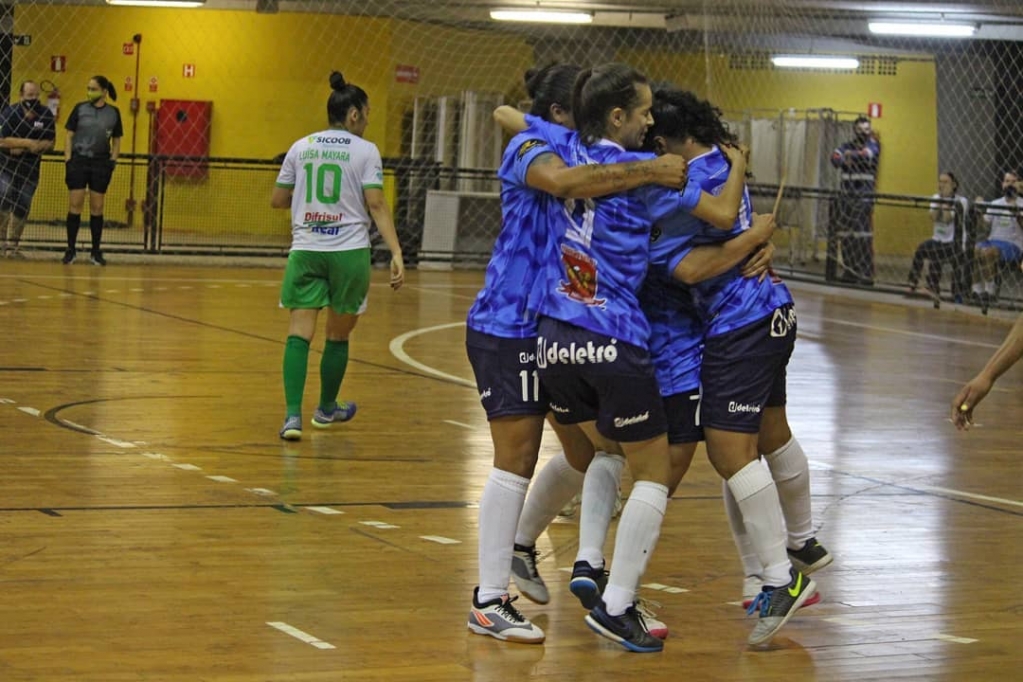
(82, 171)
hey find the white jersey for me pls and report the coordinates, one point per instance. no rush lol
(945, 231)
(1003, 221)
(327, 172)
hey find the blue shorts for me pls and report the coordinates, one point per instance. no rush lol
(683, 413)
(1010, 253)
(593, 377)
(16, 194)
(744, 372)
(506, 374)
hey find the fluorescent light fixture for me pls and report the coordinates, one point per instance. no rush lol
(922, 29)
(158, 3)
(541, 16)
(812, 61)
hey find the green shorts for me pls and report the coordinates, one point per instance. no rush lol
(318, 279)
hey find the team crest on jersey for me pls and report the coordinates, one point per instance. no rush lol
(581, 275)
(527, 145)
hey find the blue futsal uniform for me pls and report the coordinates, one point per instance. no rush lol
(749, 326)
(593, 341)
(501, 330)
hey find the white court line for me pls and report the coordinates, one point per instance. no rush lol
(113, 441)
(901, 332)
(325, 510)
(918, 487)
(157, 456)
(299, 635)
(19, 300)
(187, 467)
(265, 492)
(30, 410)
(454, 423)
(440, 539)
(379, 524)
(954, 639)
(397, 347)
(44, 297)
(7, 401)
(222, 479)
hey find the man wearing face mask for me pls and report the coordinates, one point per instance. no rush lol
(27, 130)
(857, 161)
(1004, 245)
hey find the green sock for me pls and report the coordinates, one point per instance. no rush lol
(332, 371)
(296, 362)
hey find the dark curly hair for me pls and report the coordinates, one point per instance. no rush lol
(549, 86)
(679, 114)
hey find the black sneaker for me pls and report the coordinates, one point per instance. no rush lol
(777, 604)
(627, 629)
(69, 257)
(588, 583)
(811, 557)
(97, 258)
(527, 577)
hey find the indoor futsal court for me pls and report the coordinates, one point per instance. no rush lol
(156, 528)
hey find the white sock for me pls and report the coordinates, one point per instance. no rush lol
(757, 497)
(637, 534)
(553, 487)
(600, 491)
(990, 287)
(791, 473)
(747, 553)
(503, 497)
(978, 287)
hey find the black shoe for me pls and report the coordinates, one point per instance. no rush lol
(97, 258)
(776, 605)
(627, 629)
(69, 257)
(587, 583)
(811, 557)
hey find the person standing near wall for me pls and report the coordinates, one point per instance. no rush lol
(857, 161)
(27, 130)
(94, 133)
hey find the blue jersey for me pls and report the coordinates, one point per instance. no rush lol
(676, 332)
(501, 307)
(597, 253)
(729, 301)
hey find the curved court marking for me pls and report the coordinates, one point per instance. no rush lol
(397, 348)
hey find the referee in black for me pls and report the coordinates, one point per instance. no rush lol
(94, 133)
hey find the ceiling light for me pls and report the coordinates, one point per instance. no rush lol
(812, 61)
(909, 28)
(541, 16)
(158, 3)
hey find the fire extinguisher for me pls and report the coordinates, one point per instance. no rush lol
(52, 97)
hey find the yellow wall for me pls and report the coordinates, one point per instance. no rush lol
(908, 127)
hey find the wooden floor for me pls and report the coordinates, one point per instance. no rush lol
(153, 527)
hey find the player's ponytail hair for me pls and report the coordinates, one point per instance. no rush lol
(550, 86)
(679, 115)
(600, 90)
(343, 97)
(104, 83)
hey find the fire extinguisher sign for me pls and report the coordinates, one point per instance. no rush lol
(58, 63)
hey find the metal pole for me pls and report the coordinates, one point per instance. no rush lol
(129, 203)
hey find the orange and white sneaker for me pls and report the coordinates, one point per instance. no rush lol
(500, 619)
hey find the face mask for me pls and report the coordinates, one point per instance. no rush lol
(93, 95)
(1010, 192)
(29, 103)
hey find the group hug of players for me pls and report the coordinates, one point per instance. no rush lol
(629, 302)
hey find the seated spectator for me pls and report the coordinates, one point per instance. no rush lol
(1004, 244)
(947, 242)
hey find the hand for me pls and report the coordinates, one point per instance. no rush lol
(763, 225)
(759, 263)
(967, 399)
(670, 170)
(397, 272)
(737, 154)
(38, 146)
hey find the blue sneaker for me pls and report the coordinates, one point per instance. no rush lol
(342, 412)
(587, 583)
(292, 429)
(628, 629)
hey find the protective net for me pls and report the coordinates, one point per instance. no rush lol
(211, 96)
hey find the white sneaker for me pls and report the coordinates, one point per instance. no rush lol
(499, 618)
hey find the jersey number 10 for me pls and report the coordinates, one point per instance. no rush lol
(327, 182)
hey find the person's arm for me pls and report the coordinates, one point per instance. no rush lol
(970, 395)
(722, 210)
(511, 119)
(68, 145)
(548, 173)
(285, 184)
(115, 148)
(18, 143)
(710, 260)
(381, 213)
